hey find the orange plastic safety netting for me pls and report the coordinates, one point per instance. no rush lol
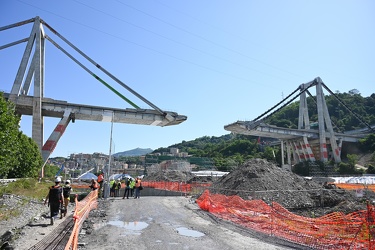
(81, 212)
(332, 231)
(174, 185)
(355, 186)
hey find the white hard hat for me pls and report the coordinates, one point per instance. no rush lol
(58, 179)
(67, 182)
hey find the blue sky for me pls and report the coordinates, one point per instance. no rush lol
(214, 61)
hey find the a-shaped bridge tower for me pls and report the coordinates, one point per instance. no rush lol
(304, 143)
(31, 71)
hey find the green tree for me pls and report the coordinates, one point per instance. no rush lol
(346, 168)
(50, 171)
(370, 170)
(8, 137)
(352, 159)
(19, 155)
(269, 154)
(30, 160)
(367, 144)
(302, 168)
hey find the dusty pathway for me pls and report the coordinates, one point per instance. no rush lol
(36, 229)
(164, 223)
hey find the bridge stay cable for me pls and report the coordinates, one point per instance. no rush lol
(259, 119)
(6, 27)
(14, 43)
(90, 72)
(316, 103)
(282, 106)
(80, 64)
(349, 109)
(269, 110)
(101, 68)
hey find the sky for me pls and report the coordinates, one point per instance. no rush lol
(214, 61)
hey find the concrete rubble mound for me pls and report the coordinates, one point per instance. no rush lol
(169, 175)
(260, 179)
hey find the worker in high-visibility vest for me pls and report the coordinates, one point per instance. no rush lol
(132, 184)
(117, 188)
(100, 181)
(127, 188)
(138, 188)
(112, 188)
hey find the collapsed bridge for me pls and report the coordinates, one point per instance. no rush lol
(31, 74)
(306, 143)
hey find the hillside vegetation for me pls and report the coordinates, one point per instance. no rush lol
(342, 118)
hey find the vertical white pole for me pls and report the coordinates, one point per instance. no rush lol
(106, 187)
(110, 148)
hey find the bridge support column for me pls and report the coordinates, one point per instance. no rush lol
(303, 117)
(310, 154)
(51, 143)
(293, 153)
(22, 84)
(288, 152)
(322, 131)
(38, 60)
(282, 153)
(325, 122)
(297, 152)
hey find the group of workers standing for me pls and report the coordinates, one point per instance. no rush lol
(132, 187)
(58, 196)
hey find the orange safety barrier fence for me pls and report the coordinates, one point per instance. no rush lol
(355, 186)
(81, 212)
(174, 185)
(332, 231)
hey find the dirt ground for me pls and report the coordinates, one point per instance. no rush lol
(29, 227)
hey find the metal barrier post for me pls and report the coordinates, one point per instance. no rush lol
(106, 189)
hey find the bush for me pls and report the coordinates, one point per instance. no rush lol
(27, 187)
(367, 144)
(370, 169)
(346, 168)
(302, 169)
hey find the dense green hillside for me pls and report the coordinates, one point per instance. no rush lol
(229, 150)
(342, 118)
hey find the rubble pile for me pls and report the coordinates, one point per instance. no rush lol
(169, 175)
(201, 179)
(260, 179)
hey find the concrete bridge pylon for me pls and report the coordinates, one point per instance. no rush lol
(301, 143)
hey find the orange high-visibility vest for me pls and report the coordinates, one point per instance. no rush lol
(100, 178)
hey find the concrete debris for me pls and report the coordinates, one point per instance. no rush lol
(260, 179)
(169, 175)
